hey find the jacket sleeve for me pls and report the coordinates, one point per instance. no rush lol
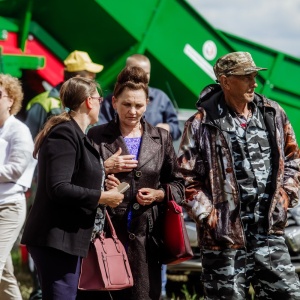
(18, 158)
(169, 171)
(291, 181)
(191, 165)
(171, 118)
(62, 158)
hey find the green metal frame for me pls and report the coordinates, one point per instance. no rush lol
(13, 64)
(170, 32)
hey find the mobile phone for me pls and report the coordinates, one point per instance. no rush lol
(123, 187)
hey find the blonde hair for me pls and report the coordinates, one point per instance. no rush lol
(13, 88)
(72, 94)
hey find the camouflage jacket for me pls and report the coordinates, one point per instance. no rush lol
(205, 160)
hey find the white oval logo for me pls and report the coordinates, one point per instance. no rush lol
(209, 50)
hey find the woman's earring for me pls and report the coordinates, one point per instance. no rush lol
(116, 116)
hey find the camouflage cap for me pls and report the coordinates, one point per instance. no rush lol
(236, 63)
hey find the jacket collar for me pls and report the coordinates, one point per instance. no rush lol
(150, 143)
(89, 143)
(213, 101)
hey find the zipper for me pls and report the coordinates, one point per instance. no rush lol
(277, 169)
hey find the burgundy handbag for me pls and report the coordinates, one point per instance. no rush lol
(106, 268)
(176, 243)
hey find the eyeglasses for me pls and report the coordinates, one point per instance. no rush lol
(100, 99)
(1, 95)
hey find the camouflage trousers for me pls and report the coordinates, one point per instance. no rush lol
(265, 264)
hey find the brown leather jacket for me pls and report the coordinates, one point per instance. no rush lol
(157, 164)
(157, 167)
(212, 194)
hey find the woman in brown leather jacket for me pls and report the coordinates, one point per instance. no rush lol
(148, 164)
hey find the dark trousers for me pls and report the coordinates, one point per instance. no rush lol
(58, 272)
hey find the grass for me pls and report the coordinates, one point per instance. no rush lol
(22, 274)
(24, 278)
(25, 281)
(187, 295)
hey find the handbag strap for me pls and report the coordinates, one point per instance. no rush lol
(111, 226)
(169, 195)
(113, 234)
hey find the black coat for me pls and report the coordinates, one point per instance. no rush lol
(69, 183)
(156, 167)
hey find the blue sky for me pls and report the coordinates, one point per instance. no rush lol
(273, 23)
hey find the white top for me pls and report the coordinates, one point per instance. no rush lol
(16, 161)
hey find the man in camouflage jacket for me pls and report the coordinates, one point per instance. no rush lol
(241, 163)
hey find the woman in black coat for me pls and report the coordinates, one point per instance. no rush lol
(148, 164)
(70, 174)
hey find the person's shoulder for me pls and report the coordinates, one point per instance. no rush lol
(69, 131)
(280, 112)
(98, 128)
(96, 132)
(65, 127)
(271, 102)
(45, 101)
(156, 131)
(155, 92)
(261, 99)
(38, 99)
(196, 119)
(18, 127)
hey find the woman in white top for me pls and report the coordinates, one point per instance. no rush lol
(16, 170)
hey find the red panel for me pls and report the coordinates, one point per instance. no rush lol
(53, 70)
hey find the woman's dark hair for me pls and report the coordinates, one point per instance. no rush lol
(133, 78)
(72, 94)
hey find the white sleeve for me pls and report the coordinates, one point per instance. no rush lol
(16, 161)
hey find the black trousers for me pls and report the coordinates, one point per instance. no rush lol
(58, 272)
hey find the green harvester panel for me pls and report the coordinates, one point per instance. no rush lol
(180, 43)
(13, 64)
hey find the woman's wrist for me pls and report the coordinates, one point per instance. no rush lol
(109, 165)
(101, 199)
(160, 195)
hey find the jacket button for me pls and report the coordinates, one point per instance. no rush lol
(138, 174)
(136, 206)
(131, 236)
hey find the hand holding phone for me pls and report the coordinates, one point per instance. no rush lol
(123, 187)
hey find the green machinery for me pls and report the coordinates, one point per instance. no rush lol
(180, 43)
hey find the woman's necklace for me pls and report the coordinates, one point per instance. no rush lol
(242, 119)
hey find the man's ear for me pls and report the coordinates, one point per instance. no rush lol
(224, 81)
